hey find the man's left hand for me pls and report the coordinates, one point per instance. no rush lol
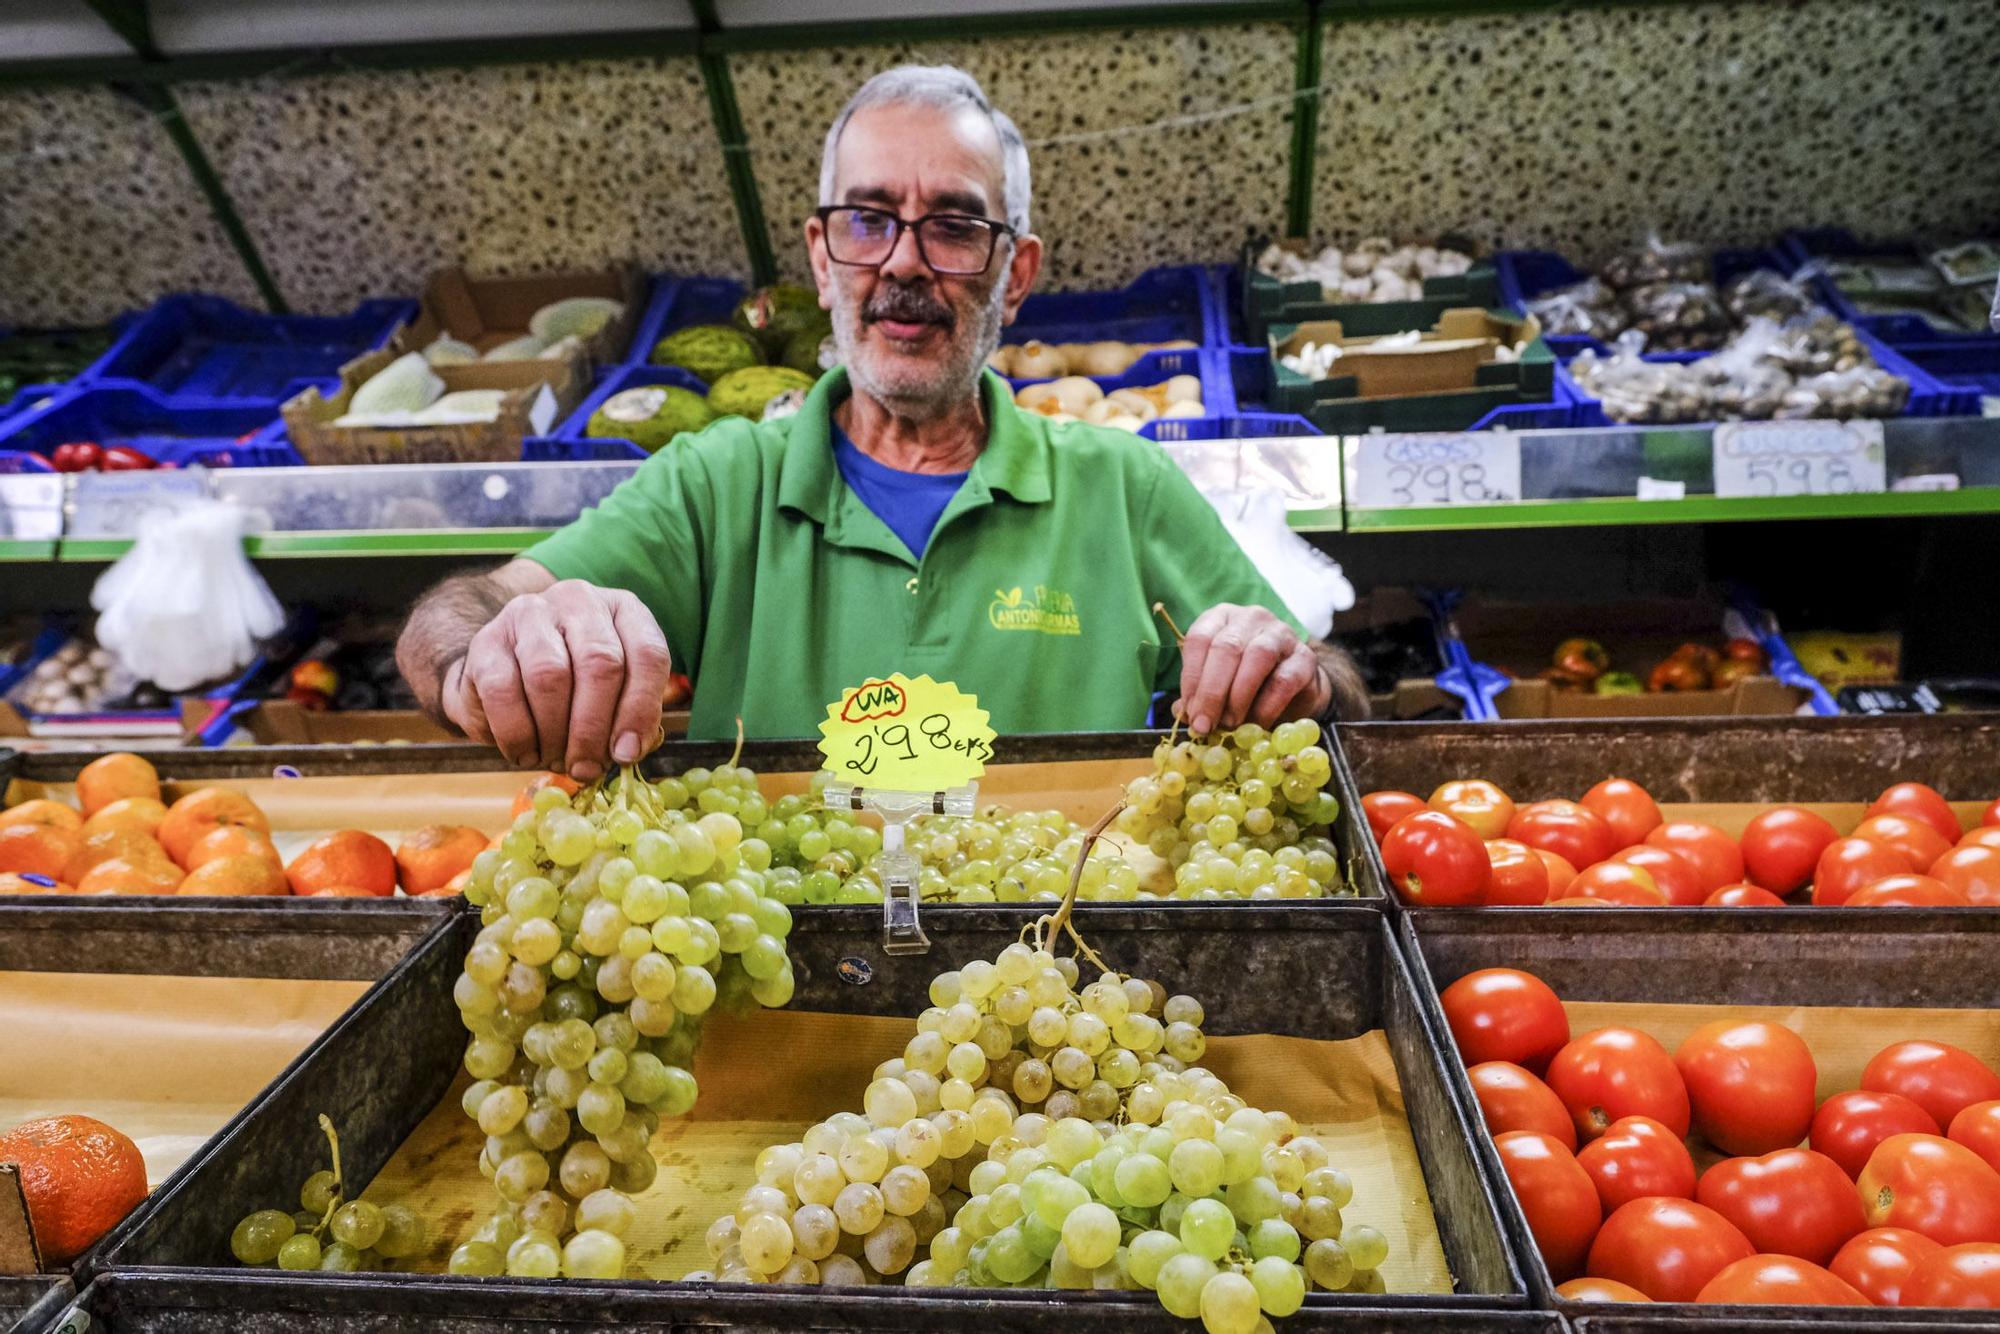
(1244, 664)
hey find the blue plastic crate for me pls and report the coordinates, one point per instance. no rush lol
(1247, 372)
(677, 303)
(1970, 365)
(567, 442)
(1801, 248)
(1928, 396)
(1240, 426)
(204, 350)
(1527, 274)
(1159, 306)
(132, 415)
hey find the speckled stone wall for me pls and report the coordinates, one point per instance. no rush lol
(1581, 131)
(98, 212)
(357, 185)
(1107, 208)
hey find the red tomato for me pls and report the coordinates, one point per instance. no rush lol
(1851, 863)
(1599, 1290)
(1742, 896)
(1384, 809)
(1781, 846)
(1918, 802)
(1635, 1158)
(1936, 1076)
(1906, 891)
(1973, 869)
(1511, 1098)
(1561, 873)
(1879, 1262)
(1921, 843)
(1435, 861)
(1612, 1073)
(1618, 882)
(1933, 1186)
(1556, 1196)
(1475, 802)
(1986, 836)
(1667, 1249)
(1991, 815)
(1750, 1084)
(1574, 833)
(1626, 807)
(1965, 1276)
(1792, 1202)
(1978, 1128)
(1671, 873)
(1716, 859)
(1848, 1126)
(1520, 877)
(1579, 901)
(1779, 1280)
(1504, 1014)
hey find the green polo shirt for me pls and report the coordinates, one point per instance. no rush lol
(778, 588)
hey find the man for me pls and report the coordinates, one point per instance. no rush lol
(907, 518)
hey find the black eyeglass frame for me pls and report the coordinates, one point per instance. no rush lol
(996, 229)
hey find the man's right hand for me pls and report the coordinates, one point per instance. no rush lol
(562, 679)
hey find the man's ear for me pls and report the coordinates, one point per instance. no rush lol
(1022, 268)
(822, 267)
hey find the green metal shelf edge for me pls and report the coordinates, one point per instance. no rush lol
(441, 542)
(1624, 511)
(21, 549)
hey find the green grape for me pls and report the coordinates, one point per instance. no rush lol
(258, 1238)
(340, 1258)
(402, 1232)
(1280, 1285)
(1328, 1265)
(1010, 1257)
(358, 1224)
(1274, 1237)
(1255, 1200)
(1195, 1167)
(1091, 1234)
(1229, 1304)
(1181, 1282)
(300, 1251)
(1366, 1247)
(1148, 1253)
(319, 1192)
(535, 1255)
(478, 1259)
(606, 1211)
(1207, 1228)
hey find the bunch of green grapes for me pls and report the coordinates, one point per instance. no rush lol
(610, 924)
(1071, 1143)
(328, 1231)
(1242, 814)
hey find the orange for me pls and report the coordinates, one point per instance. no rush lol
(119, 774)
(429, 858)
(235, 876)
(122, 875)
(348, 857)
(79, 1176)
(114, 842)
(526, 801)
(341, 892)
(233, 840)
(143, 814)
(38, 884)
(451, 889)
(37, 849)
(41, 811)
(199, 812)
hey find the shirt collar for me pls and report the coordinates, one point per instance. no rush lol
(1015, 459)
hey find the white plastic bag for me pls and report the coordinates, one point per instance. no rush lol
(1309, 581)
(184, 606)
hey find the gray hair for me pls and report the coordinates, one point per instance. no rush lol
(947, 88)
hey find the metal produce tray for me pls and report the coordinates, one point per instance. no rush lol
(1836, 1318)
(1650, 955)
(1305, 972)
(31, 1303)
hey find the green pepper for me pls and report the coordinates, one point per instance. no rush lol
(1618, 683)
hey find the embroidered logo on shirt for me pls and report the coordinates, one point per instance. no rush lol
(1050, 613)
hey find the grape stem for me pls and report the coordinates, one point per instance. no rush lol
(1059, 920)
(737, 754)
(339, 1187)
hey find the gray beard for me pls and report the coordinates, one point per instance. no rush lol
(956, 378)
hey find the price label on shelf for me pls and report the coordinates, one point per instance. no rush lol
(1402, 471)
(905, 735)
(1799, 458)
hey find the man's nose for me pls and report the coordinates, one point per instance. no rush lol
(906, 258)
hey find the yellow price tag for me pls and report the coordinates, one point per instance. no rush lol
(904, 735)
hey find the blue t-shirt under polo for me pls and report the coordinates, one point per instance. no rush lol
(909, 502)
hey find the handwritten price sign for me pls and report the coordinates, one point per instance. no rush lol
(1799, 458)
(906, 735)
(1401, 471)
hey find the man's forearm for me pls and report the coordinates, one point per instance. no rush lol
(1350, 692)
(441, 627)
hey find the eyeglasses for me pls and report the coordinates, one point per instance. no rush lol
(954, 243)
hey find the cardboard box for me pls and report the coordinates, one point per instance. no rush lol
(487, 312)
(1457, 353)
(541, 393)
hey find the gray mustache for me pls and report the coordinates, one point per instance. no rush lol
(908, 304)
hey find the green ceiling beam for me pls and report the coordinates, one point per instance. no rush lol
(1305, 126)
(736, 165)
